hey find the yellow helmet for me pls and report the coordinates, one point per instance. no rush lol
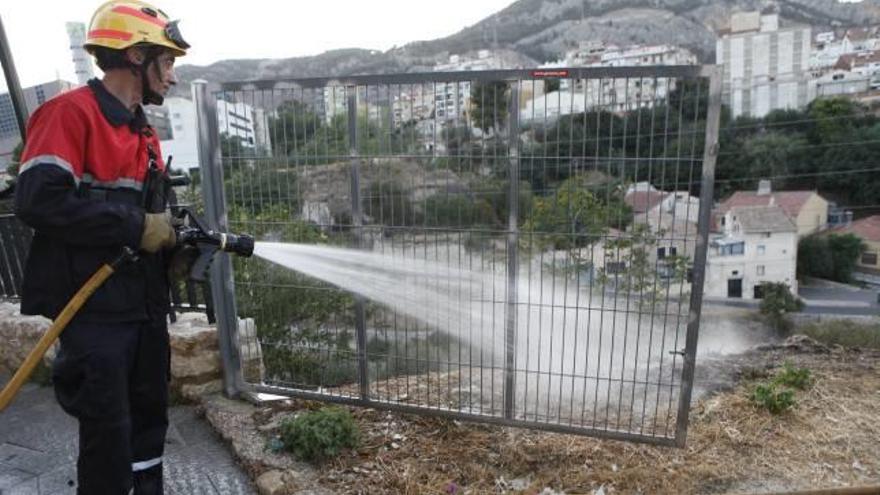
(122, 24)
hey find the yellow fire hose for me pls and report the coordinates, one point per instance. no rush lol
(82, 295)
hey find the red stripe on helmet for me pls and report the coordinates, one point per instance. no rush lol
(110, 33)
(140, 15)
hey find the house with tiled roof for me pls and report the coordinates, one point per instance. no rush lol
(868, 229)
(642, 197)
(860, 39)
(807, 209)
(756, 244)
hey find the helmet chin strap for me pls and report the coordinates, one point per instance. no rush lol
(149, 97)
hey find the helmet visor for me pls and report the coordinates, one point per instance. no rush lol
(172, 32)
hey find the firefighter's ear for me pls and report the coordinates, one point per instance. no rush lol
(135, 55)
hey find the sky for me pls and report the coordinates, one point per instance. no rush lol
(222, 29)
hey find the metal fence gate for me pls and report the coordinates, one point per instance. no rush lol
(550, 226)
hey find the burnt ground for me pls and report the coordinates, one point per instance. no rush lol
(831, 438)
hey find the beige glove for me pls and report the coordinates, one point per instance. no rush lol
(158, 233)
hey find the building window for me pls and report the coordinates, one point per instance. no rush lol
(760, 270)
(767, 234)
(615, 267)
(731, 249)
(869, 259)
(661, 253)
(762, 249)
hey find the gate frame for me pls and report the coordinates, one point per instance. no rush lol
(222, 280)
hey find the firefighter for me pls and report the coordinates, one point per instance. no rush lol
(91, 182)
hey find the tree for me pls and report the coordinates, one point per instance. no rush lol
(489, 105)
(814, 258)
(574, 216)
(832, 257)
(389, 204)
(845, 251)
(294, 125)
(833, 118)
(643, 275)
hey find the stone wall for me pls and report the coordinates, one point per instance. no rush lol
(195, 354)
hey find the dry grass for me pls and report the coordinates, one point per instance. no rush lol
(831, 438)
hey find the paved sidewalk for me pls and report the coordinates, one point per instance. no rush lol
(38, 445)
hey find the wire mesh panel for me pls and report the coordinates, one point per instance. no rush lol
(518, 247)
(15, 237)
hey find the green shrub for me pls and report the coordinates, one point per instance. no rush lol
(832, 257)
(799, 378)
(442, 210)
(775, 401)
(777, 395)
(778, 301)
(318, 435)
(388, 203)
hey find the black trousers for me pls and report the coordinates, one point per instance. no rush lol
(113, 378)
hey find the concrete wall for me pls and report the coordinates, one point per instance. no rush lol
(813, 216)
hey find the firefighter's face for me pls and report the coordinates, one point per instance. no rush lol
(161, 73)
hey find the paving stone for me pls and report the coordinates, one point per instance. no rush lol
(38, 450)
(184, 478)
(213, 454)
(196, 431)
(173, 440)
(232, 483)
(30, 487)
(60, 480)
(25, 459)
(180, 414)
(10, 476)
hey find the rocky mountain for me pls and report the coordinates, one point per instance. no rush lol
(541, 30)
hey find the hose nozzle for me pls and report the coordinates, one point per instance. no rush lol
(242, 245)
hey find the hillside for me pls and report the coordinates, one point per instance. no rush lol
(543, 29)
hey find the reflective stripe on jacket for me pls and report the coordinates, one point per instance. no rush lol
(87, 137)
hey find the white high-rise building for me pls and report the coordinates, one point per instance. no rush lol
(82, 61)
(183, 144)
(765, 68)
(249, 125)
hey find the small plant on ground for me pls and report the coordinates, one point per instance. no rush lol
(777, 395)
(318, 435)
(799, 378)
(774, 400)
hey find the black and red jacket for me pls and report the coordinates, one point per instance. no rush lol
(80, 187)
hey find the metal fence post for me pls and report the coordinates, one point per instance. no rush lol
(358, 222)
(14, 87)
(512, 247)
(707, 190)
(222, 287)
